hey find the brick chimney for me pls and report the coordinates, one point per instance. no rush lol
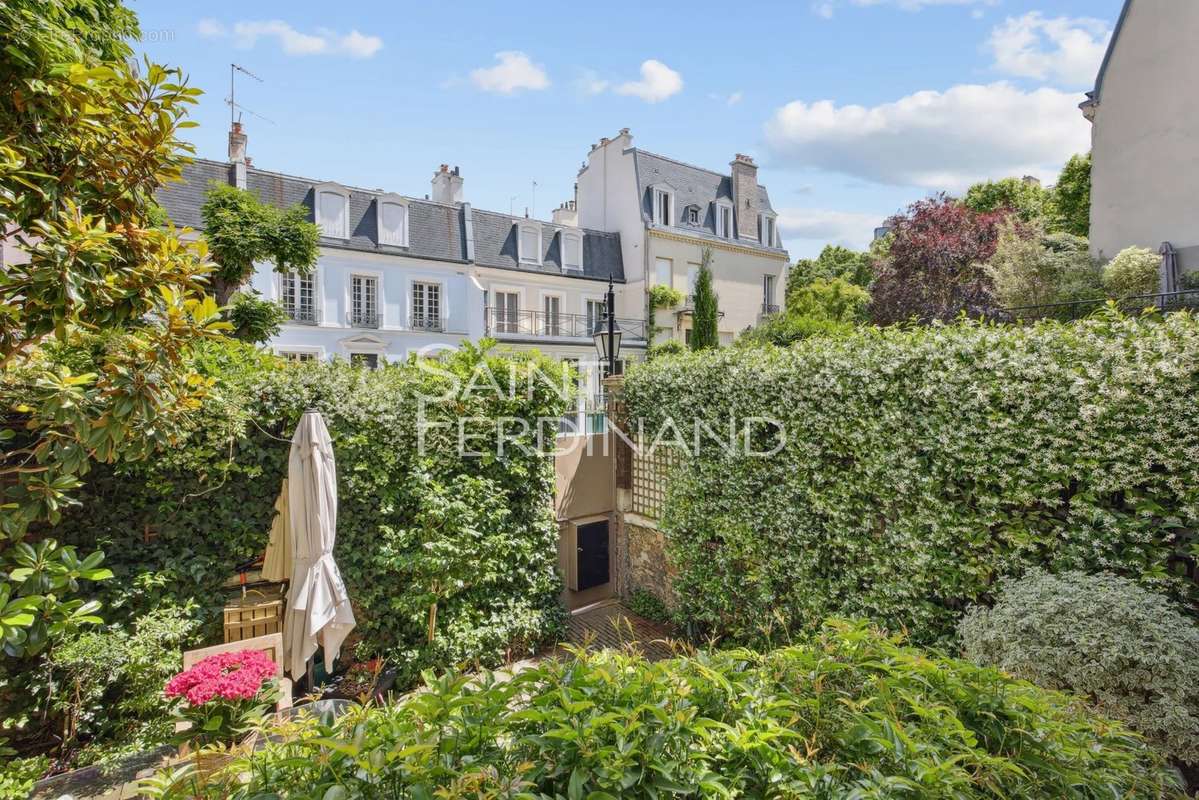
(567, 214)
(237, 156)
(745, 195)
(447, 185)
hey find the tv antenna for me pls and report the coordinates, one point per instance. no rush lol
(236, 108)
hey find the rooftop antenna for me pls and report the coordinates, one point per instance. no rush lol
(512, 205)
(534, 201)
(236, 108)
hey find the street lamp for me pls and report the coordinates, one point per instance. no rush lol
(607, 342)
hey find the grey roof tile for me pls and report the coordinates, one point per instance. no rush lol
(495, 246)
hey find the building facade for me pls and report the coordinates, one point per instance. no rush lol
(1145, 133)
(667, 213)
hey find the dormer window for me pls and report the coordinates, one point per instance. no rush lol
(692, 215)
(572, 250)
(724, 220)
(393, 220)
(766, 229)
(528, 242)
(663, 205)
(333, 211)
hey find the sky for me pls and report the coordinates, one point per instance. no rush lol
(851, 108)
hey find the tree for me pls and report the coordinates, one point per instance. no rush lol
(1072, 197)
(1133, 272)
(934, 267)
(705, 315)
(84, 145)
(1027, 199)
(834, 261)
(241, 231)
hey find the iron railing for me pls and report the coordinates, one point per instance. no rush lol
(360, 320)
(769, 308)
(426, 322)
(501, 321)
(1187, 299)
(303, 316)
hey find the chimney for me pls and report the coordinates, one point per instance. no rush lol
(567, 214)
(237, 155)
(447, 185)
(745, 195)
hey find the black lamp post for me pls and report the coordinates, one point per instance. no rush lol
(607, 342)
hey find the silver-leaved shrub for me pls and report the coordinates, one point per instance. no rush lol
(1126, 649)
(920, 466)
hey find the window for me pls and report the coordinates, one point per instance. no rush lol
(662, 203)
(368, 360)
(572, 250)
(297, 294)
(333, 212)
(663, 271)
(724, 221)
(692, 276)
(426, 306)
(595, 316)
(393, 222)
(693, 215)
(507, 312)
(529, 243)
(552, 307)
(768, 305)
(766, 229)
(297, 355)
(364, 301)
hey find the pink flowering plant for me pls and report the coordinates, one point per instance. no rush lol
(223, 695)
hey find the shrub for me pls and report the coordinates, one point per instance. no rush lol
(646, 604)
(254, 319)
(832, 299)
(783, 330)
(670, 347)
(1127, 650)
(852, 714)
(920, 466)
(1032, 268)
(662, 296)
(1134, 271)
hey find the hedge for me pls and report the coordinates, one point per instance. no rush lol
(849, 715)
(922, 465)
(476, 535)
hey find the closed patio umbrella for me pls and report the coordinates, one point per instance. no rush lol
(318, 607)
(276, 566)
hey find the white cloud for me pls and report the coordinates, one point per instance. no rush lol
(728, 99)
(826, 8)
(247, 33)
(1064, 49)
(590, 83)
(657, 83)
(513, 72)
(826, 226)
(937, 140)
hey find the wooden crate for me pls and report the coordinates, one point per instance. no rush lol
(257, 613)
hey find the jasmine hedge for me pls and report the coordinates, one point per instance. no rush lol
(919, 466)
(473, 535)
(850, 714)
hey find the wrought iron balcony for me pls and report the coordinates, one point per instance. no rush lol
(502, 322)
(361, 320)
(426, 322)
(303, 316)
(769, 308)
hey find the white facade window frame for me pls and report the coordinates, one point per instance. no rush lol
(669, 262)
(522, 307)
(722, 230)
(765, 221)
(442, 300)
(699, 215)
(317, 296)
(380, 308)
(392, 199)
(317, 352)
(521, 256)
(587, 297)
(577, 236)
(657, 193)
(344, 193)
(542, 296)
(364, 344)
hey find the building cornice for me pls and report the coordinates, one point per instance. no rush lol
(727, 246)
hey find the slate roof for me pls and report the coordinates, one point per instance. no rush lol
(691, 185)
(495, 246)
(435, 230)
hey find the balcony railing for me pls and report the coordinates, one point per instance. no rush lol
(426, 322)
(769, 308)
(360, 320)
(303, 316)
(502, 322)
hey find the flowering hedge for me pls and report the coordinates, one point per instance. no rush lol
(922, 465)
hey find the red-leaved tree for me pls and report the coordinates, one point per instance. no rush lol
(933, 267)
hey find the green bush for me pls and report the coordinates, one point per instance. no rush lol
(1032, 268)
(1125, 649)
(850, 715)
(648, 605)
(785, 329)
(833, 299)
(920, 466)
(209, 504)
(670, 347)
(1134, 271)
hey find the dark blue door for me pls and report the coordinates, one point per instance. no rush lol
(593, 554)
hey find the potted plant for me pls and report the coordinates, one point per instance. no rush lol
(218, 701)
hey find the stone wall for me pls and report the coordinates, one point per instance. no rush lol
(642, 554)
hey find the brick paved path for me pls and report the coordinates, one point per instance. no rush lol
(610, 625)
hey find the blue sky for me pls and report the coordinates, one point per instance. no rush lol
(852, 108)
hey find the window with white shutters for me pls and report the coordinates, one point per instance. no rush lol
(572, 251)
(393, 223)
(507, 312)
(333, 214)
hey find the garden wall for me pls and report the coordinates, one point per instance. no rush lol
(921, 465)
(476, 535)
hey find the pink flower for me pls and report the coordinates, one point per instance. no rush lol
(229, 676)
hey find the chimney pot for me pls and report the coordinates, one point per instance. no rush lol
(447, 185)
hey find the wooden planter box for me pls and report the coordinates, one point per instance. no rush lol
(257, 613)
